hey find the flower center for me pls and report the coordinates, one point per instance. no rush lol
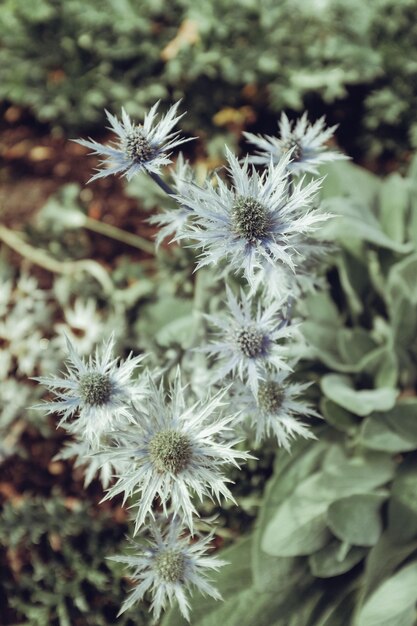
(137, 147)
(251, 341)
(95, 388)
(170, 451)
(295, 146)
(170, 566)
(270, 396)
(249, 219)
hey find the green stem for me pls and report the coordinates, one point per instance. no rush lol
(41, 258)
(119, 235)
(161, 183)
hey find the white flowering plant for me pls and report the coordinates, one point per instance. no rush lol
(218, 380)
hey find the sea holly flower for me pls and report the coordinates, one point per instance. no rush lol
(276, 410)
(254, 222)
(97, 393)
(174, 451)
(169, 567)
(89, 459)
(140, 147)
(305, 143)
(172, 221)
(248, 344)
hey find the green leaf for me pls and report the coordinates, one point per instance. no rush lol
(393, 431)
(335, 559)
(354, 344)
(383, 559)
(402, 280)
(167, 319)
(402, 508)
(354, 221)
(278, 574)
(340, 612)
(338, 417)
(393, 603)
(345, 476)
(299, 525)
(345, 178)
(377, 434)
(298, 528)
(356, 519)
(394, 200)
(340, 389)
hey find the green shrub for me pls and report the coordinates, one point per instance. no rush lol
(61, 577)
(67, 60)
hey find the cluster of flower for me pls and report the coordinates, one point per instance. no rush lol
(163, 449)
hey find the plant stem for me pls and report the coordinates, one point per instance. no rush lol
(162, 184)
(41, 258)
(119, 235)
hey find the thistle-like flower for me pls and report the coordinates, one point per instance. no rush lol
(255, 222)
(173, 452)
(304, 142)
(172, 221)
(90, 460)
(97, 392)
(140, 146)
(248, 345)
(170, 567)
(276, 409)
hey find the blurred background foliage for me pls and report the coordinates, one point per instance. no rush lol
(240, 62)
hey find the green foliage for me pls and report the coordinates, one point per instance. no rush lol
(338, 524)
(68, 60)
(60, 574)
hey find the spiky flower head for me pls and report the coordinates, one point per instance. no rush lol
(172, 221)
(276, 410)
(248, 342)
(305, 143)
(140, 146)
(174, 451)
(252, 223)
(96, 392)
(170, 567)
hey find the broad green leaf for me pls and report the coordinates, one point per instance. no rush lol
(358, 474)
(402, 280)
(354, 278)
(356, 519)
(377, 434)
(299, 525)
(402, 508)
(394, 430)
(354, 221)
(393, 602)
(345, 178)
(394, 200)
(340, 612)
(298, 528)
(163, 314)
(360, 402)
(383, 560)
(354, 344)
(279, 573)
(335, 559)
(338, 417)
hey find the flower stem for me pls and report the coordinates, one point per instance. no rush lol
(41, 258)
(119, 235)
(161, 183)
